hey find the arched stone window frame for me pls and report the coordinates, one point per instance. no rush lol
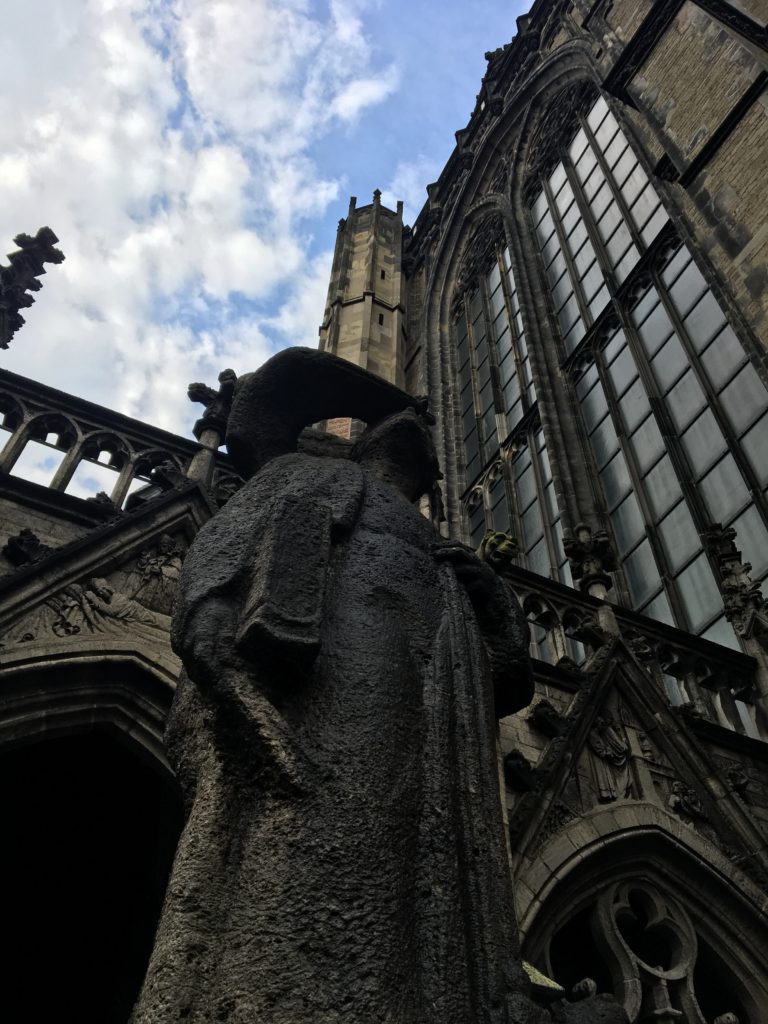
(649, 244)
(635, 842)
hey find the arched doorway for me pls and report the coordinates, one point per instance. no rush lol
(90, 815)
(90, 830)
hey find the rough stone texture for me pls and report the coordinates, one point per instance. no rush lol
(626, 16)
(668, 88)
(344, 857)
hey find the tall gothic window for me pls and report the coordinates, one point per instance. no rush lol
(509, 481)
(676, 416)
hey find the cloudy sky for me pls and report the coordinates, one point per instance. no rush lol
(194, 157)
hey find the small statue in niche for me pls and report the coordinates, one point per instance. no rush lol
(610, 764)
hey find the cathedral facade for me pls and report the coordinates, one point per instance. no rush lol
(584, 301)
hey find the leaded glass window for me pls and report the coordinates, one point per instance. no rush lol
(674, 412)
(508, 474)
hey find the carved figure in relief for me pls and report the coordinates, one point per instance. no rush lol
(610, 764)
(154, 580)
(334, 732)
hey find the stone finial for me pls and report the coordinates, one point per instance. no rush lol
(217, 403)
(21, 277)
(741, 594)
(591, 558)
(25, 547)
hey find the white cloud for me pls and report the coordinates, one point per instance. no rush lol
(409, 184)
(169, 145)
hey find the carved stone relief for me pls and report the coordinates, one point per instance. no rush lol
(610, 761)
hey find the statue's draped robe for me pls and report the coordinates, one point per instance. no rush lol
(344, 856)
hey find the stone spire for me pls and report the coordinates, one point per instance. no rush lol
(21, 277)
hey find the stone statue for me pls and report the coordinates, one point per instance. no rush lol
(334, 732)
(610, 765)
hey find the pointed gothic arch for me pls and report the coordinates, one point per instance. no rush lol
(648, 907)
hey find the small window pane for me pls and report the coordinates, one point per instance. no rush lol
(634, 406)
(669, 363)
(511, 392)
(578, 145)
(704, 321)
(724, 490)
(556, 269)
(594, 406)
(662, 487)
(525, 486)
(568, 315)
(537, 559)
(687, 289)
(699, 593)
(602, 199)
(703, 442)
(647, 444)
(744, 399)
(597, 113)
(471, 443)
(627, 523)
(685, 400)
(533, 527)
(723, 357)
(659, 609)
(674, 268)
(615, 480)
(609, 220)
(721, 632)
(654, 225)
(557, 179)
(641, 573)
(622, 372)
(564, 199)
(752, 540)
(755, 446)
(618, 243)
(655, 329)
(679, 536)
(599, 302)
(604, 442)
(497, 303)
(587, 380)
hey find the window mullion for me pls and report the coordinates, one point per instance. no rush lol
(615, 190)
(514, 341)
(732, 442)
(594, 237)
(584, 312)
(651, 532)
(541, 497)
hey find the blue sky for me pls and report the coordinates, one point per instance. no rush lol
(195, 156)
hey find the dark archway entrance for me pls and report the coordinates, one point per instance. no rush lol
(88, 835)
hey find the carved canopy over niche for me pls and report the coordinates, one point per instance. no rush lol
(556, 127)
(477, 257)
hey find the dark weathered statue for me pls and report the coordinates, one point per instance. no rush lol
(344, 856)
